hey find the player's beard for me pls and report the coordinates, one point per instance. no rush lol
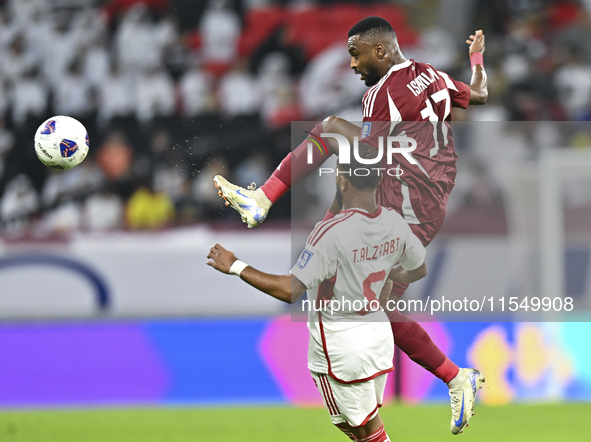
(371, 76)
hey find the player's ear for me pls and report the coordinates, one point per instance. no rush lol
(344, 184)
(341, 184)
(379, 50)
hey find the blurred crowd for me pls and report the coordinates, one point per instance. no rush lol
(173, 92)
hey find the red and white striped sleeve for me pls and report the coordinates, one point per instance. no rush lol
(318, 260)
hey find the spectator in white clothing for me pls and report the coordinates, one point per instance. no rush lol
(72, 94)
(19, 200)
(16, 59)
(220, 29)
(29, 97)
(117, 95)
(140, 43)
(155, 95)
(90, 26)
(276, 86)
(79, 180)
(573, 81)
(96, 62)
(65, 218)
(239, 93)
(23, 11)
(103, 211)
(196, 88)
(60, 47)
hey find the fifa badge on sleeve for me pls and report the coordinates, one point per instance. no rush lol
(365, 129)
(304, 259)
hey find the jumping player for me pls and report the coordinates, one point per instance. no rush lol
(351, 347)
(404, 97)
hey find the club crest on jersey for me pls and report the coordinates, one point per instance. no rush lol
(365, 129)
(304, 259)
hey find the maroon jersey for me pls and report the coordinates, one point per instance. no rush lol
(415, 100)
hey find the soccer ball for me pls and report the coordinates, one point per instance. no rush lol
(61, 142)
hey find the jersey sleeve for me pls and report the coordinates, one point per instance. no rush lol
(414, 252)
(459, 92)
(316, 263)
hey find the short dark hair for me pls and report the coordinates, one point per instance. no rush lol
(371, 24)
(357, 179)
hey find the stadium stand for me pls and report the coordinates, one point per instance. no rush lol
(165, 86)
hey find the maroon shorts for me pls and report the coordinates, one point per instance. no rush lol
(425, 232)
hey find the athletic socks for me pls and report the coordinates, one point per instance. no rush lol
(294, 168)
(280, 181)
(378, 436)
(457, 381)
(447, 371)
(413, 340)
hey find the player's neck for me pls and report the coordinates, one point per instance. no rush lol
(396, 59)
(363, 202)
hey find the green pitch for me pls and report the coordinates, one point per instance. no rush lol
(523, 423)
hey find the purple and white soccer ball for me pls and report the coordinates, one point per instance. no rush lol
(61, 142)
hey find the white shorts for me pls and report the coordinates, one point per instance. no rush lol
(354, 404)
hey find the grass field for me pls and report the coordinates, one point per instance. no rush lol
(523, 423)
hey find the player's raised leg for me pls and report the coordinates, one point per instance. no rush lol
(253, 204)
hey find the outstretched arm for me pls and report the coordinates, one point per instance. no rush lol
(286, 288)
(478, 83)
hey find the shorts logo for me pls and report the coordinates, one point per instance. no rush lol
(365, 130)
(304, 259)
